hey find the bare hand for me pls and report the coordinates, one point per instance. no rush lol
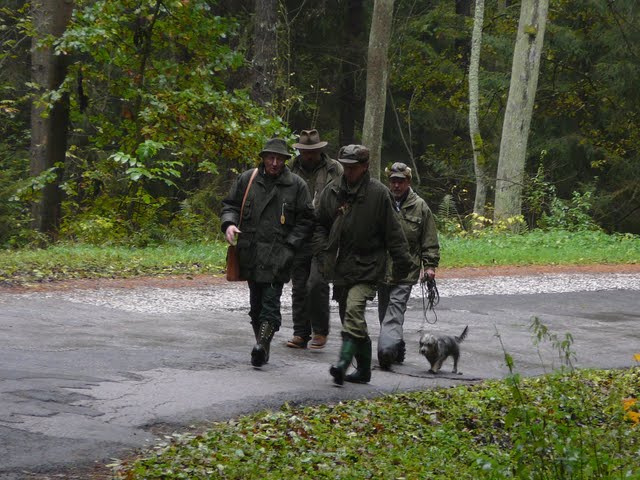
(231, 234)
(427, 274)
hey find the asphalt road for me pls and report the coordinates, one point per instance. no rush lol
(84, 381)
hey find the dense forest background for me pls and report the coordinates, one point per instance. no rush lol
(156, 105)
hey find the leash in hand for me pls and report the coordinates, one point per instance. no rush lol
(430, 300)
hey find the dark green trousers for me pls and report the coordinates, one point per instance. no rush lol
(265, 304)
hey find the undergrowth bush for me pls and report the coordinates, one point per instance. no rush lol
(564, 436)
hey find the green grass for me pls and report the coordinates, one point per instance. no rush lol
(540, 248)
(570, 425)
(81, 261)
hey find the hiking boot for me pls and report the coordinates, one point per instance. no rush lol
(362, 373)
(318, 342)
(347, 351)
(297, 342)
(260, 352)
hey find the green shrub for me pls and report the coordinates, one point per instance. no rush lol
(571, 215)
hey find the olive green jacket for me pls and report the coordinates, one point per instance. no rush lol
(355, 230)
(327, 170)
(419, 226)
(275, 223)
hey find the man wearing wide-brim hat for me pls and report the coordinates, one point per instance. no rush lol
(277, 220)
(310, 292)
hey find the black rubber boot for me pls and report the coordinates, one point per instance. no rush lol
(260, 353)
(402, 349)
(386, 357)
(256, 330)
(363, 363)
(347, 351)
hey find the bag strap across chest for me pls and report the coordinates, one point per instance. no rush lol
(246, 192)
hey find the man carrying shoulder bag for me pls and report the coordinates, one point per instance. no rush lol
(277, 218)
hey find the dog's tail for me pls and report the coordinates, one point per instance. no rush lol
(463, 335)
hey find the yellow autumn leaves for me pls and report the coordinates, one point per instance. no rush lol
(630, 405)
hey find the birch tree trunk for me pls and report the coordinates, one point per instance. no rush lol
(377, 75)
(517, 118)
(49, 123)
(479, 161)
(265, 24)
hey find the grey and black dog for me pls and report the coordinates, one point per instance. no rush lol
(436, 349)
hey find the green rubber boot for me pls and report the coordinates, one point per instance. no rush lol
(260, 353)
(363, 363)
(347, 351)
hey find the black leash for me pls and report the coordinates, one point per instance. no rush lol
(430, 300)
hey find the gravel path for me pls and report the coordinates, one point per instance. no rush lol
(223, 296)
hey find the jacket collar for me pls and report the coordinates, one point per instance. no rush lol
(410, 201)
(323, 163)
(358, 190)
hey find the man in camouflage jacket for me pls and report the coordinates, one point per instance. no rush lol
(419, 226)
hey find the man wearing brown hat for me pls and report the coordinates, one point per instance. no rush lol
(419, 226)
(310, 292)
(356, 225)
(277, 218)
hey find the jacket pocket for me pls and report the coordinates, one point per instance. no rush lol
(288, 214)
(248, 208)
(412, 228)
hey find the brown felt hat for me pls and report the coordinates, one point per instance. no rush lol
(309, 140)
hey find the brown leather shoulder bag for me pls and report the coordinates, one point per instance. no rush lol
(233, 263)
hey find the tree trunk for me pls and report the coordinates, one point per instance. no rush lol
(377, 74)
(265, 53)
(350, 101)
(479, 161)
(517, 117)
(49, 124)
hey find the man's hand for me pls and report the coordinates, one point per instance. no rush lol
(231, 234)
(427, 274)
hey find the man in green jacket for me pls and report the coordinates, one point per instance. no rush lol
(277, 218)
(356, 225)
(419, 227)
(309, 290)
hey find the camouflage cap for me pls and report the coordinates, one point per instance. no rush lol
(398, 170)
(353, 154)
